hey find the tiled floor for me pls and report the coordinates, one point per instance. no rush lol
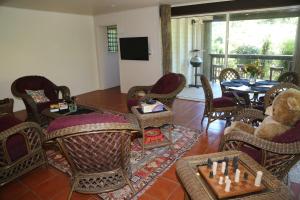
(50, 184)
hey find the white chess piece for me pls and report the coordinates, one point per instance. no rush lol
(258, 178)
(226, 178)
(221, 179)
(214, 168)
(223, 167)
(227, 186)
(237, 176)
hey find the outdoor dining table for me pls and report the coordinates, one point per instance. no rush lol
(243, 85)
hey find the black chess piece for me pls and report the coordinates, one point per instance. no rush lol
(246, 176)
(235, 161)
(226, 159)
(211, 175)
(209, 163)
(226, 171)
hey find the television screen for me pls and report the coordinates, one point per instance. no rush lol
(134, 48)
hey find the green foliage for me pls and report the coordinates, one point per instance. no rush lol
(287, 47)
(246, 49)
(218, 45)
(265, 49)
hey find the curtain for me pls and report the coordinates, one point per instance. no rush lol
(186, 36)
(165, 18)
(296, 66)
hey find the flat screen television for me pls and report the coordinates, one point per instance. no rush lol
(134, 48)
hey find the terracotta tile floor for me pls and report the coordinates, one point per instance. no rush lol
(50, 184)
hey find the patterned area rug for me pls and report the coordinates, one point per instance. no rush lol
(145, 170)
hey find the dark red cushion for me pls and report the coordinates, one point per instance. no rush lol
(37, 83)
(290, 136)
(15, 144)
(91, 118)
(253, 152)
(132, 102)
(223, 102)
(166, 84)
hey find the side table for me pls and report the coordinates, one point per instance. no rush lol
(6, 105)
(156, 119)
(196, 187)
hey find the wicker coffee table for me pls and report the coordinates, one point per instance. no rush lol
(156, 119)
(196, 187)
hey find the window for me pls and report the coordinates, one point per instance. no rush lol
(112, 39)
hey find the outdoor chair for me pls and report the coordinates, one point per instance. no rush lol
(21, 148)
(229, 74)
(289, 77)
(278, 156)
(97, 147)
(38, 93)
(221, 108)
(164, 90)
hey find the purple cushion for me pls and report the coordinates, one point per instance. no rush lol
(290, 136)
(252, 152)
(132, 102)
(91, 118)
(166, 84)
(15, 144)
(223, 102)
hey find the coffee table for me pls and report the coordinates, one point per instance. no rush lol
(196, 187)
(155, 119)
(81, 109)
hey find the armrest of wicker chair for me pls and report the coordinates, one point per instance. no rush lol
(132, 91)
(278, 158)
(35, 156)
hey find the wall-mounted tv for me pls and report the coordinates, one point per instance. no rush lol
(134, 48)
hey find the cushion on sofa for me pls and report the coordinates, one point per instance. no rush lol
(166, 84)
(15, 144)
(223, 102)
(91, 118)
(290, 136)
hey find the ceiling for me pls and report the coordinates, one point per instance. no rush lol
(94, 7)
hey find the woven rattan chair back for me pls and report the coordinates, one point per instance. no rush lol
(289, 77)
(228, 74)
(275, 90)
(207, 92)
(99, 154)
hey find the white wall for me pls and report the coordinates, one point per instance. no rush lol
(132, 23)
(58, 46)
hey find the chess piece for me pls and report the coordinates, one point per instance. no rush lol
(226, 159)
(246, 176)
(221, 179)
(235, 163)
(211, 175)
(223, 167)
(209, 163)
(258, 178)
(226, 178)
(227, 186)
(226, 171)
(237, 176)
(214, 168)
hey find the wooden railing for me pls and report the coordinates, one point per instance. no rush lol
(217, 61)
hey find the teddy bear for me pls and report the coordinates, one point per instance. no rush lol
(283, 114)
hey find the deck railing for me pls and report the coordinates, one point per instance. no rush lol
(237, 61)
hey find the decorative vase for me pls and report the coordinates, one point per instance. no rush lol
(252, 79)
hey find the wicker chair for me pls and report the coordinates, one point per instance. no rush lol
(38, 83)
(21, 148)
(277, 156)
(289, 77)
(97, 147)
(216, 108)
(164, 90)
(228, 74)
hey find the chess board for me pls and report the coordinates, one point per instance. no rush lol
(243, 187)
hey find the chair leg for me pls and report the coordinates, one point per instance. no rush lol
(128, 181)
(71, 191)
(208, 122)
